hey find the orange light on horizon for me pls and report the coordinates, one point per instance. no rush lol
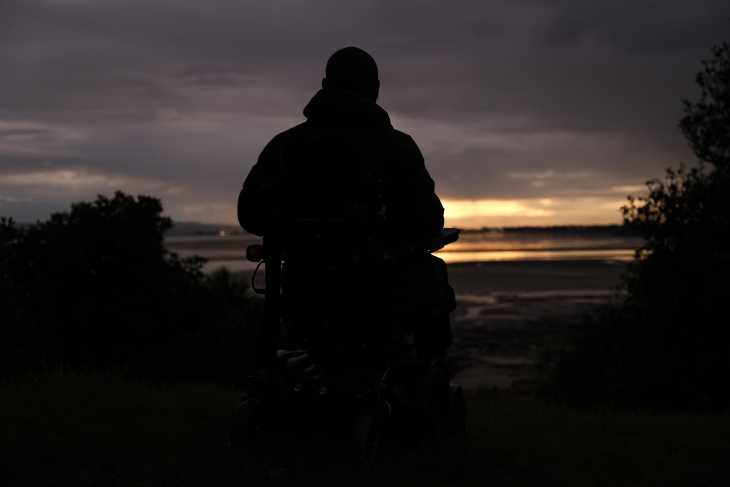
(581, 210)
(481, 208)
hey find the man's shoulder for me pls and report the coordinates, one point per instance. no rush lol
(271, 150)
(401, 145)
(389, 142)
(403, 139)
(279, 139)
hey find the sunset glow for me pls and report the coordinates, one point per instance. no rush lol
(461, 209)
(587, 210)
(534, 123)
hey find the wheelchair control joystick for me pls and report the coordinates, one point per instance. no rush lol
(254, 253)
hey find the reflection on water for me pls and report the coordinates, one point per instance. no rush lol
(472, 247)
(476, 242)
(490, 256)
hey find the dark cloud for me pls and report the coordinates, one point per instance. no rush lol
(180, 96)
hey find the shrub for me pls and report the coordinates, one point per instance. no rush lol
(667, 345)
(95, 287)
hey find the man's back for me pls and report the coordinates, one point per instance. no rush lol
(412, 208)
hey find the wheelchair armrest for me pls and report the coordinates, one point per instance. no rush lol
(439, 241)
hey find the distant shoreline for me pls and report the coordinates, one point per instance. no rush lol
(215, 229)
(472, 247)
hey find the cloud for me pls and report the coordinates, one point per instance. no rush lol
(509, 101)
(629, 189)
(484, 208)
(74, 180)
(582, 210)
(548, 174)
(210, 212)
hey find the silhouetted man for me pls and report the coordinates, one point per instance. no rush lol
(412, 209)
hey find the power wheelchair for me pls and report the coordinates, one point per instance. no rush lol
(343, 366)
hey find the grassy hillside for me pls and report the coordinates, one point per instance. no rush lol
(74, 429)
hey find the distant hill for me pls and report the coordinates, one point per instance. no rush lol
(194, 228)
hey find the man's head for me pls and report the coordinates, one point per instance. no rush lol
(353, 69)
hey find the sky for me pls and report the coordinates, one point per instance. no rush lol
(527, 112)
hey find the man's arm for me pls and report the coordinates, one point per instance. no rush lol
(251, 211)
(251, 201)
(417, 211)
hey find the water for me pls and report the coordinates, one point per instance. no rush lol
(541, 241)
(230, 251)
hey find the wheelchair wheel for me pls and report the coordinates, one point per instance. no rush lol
(456, 419)
(246, 428)
(364, 440)
(431, 403)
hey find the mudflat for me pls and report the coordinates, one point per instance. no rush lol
(483, 278)
(509, 312)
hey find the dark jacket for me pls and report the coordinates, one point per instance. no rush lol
(412, 208)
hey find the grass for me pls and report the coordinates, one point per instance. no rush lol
(77, 429)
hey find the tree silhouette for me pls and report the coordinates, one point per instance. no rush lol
(96, 286)
(706, 124)
(667, 345)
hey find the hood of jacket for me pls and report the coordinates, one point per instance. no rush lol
(341, 107)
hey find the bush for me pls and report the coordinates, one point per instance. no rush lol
(668, 344)
(96, 287)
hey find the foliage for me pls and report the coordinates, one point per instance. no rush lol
(667, 345)
(685, 222)
(96, 286)
(706, 124)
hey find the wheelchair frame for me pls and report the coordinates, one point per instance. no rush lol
(358, 391)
